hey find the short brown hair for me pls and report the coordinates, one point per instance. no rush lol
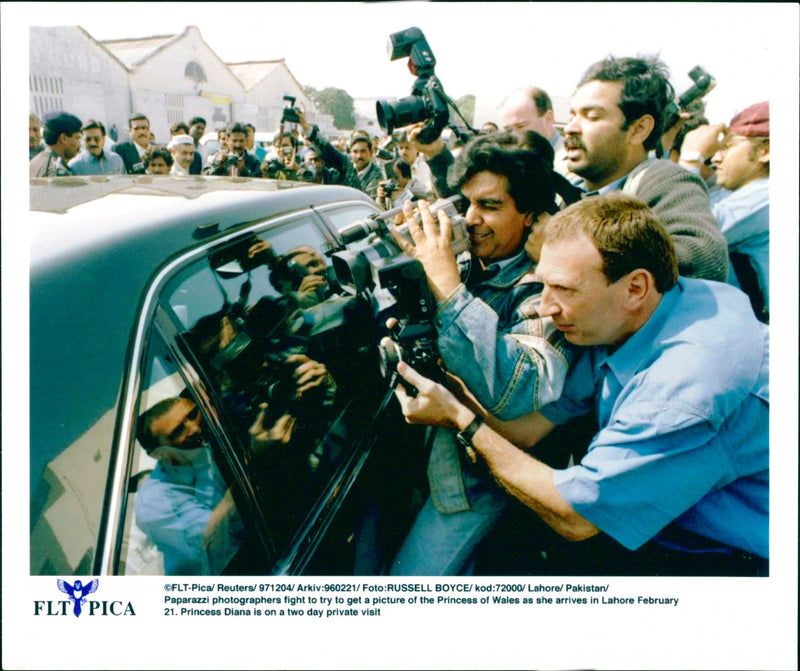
(625, 231)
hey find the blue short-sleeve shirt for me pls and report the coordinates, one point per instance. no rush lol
(683, 407)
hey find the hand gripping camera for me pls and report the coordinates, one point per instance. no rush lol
(703, 84)
(380, 264)
(428, 101)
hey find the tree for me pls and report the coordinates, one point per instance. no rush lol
(335, 102)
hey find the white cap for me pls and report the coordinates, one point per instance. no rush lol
(180, 139)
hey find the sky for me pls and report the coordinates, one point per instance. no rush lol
(481, 48)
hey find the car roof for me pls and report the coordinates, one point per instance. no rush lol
(70, 213)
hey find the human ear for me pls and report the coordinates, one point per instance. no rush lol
(639, 286)
(640, 129)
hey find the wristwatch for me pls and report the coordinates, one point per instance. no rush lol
(464, 438)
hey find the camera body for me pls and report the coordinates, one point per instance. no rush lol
(389, 187)
(290, 111)
(382, 265)
(703, 84)
(428, 101)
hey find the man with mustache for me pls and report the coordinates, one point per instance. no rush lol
(676, 479)
(489, 332)
(95, 160)
(617, 117)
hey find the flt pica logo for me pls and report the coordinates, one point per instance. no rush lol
(77, 602)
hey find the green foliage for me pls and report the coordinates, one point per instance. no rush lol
(335, 102)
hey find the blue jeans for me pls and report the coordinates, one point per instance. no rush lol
(443, 543)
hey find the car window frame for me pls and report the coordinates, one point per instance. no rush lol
(108, 549)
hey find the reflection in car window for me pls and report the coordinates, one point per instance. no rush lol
(182, 519)
(266, 329)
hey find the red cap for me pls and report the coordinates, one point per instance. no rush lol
(752, 122)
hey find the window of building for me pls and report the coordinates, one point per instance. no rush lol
(194, 71)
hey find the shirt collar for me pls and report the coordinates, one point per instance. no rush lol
(608, 188)
(628, 359)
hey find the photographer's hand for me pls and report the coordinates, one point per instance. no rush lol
(428, 150)
(703, 141)
(309, 373)
(433, 405)
(301, 116)
(310, 283)
(432, 247)
(262, 437)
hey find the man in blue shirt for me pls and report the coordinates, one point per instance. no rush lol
(94, 159)
(185, 507)
(678, 371)
(740, 154)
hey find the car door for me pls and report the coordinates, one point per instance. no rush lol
(279, 368)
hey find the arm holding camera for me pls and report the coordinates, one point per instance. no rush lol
(439, 159)
(488, 341)
(332, 157)
(522, 476)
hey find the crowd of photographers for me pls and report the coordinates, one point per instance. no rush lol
(598, 368)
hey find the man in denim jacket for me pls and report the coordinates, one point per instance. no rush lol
(489, 332)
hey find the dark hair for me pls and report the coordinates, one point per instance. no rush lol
(249, 125)
(92, 123)
(541, 100)
(361, 138)
(57, 123)
(144, 432)
(159, 152)
(625, 231)
(401, 168)
(645, 89)
(525, 160)
(236, 127)
(197, 119)
(137, 117)
(178, 126)
(292, 139)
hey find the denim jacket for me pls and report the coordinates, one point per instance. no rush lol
(512, 360)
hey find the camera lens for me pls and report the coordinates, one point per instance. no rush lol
(401, 113)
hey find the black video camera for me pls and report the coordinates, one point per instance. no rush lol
(290, 111)
(389, 187)
(382, 265)
(428, 101)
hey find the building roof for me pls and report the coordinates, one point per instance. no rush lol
(133, 52)
(251, 73)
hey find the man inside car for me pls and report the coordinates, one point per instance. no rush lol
(185, 507)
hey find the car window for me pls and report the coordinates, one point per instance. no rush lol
(181, 518)
(272, 342)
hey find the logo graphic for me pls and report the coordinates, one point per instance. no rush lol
(77, 592)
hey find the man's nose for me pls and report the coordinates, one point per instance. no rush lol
(547, 306)
(573, 126)
(471, 217)
(192, 426)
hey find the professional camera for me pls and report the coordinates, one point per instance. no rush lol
(381, 264)
(703, 84)
(428, 101)
(308, 173)
(290, 111)
(389, 187)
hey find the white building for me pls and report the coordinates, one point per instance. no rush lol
(265, 83)
(71, 71)
(167, 78)
(176, 77)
